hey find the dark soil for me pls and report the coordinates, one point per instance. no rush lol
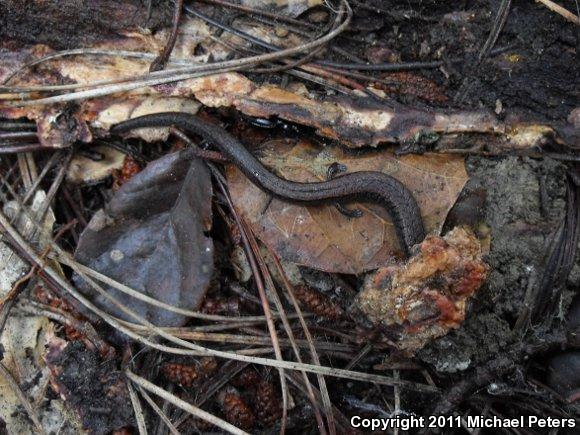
(94, 388)
(537, 75)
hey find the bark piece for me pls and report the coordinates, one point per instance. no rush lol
(428, 296)
(66, 24)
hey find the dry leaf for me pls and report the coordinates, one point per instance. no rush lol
(152, 237)
(320, 236)
(23, 337)
(84, 170)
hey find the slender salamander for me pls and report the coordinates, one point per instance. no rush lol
(364, 185)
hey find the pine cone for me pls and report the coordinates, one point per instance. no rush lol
(208, 366)
(182, 374)
(267, 403)
(248, 378)
(318, 303)
(235, 409)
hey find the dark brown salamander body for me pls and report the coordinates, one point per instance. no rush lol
(364, 185)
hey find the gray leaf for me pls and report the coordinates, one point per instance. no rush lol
(152, 236)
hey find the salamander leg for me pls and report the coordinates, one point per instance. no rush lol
(332, 172)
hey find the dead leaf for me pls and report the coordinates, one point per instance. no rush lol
(320, 236)
(84, 170)
(12, 267)
(152, 237)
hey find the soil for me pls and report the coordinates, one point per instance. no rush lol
(93, 387)
(524, 203)
(537, 76)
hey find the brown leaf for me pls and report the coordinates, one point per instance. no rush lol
(152, 237)
(320, 236)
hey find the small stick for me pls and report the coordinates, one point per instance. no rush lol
(159, 63)
(200, 413)
(212, 156)
(138, 410)
(554, 7)
(158, 411)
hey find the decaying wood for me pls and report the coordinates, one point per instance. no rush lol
(64, 24)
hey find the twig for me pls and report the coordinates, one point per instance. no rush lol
(159, 63)
(560, 10)
(338, 415)
(27, 148)
(81, 52)
(200, 413)
(261, 12)
(16, 136)
(137, 409)
(189, 334)
(47, 167)
(359, 356)
(212, 156)
(65, 318)
(10, 299)
(397, 394)
(67, 260)
(561, 255)
(158, 411)
(495, 31)
(483, 375)
(17, 126)
(485, 50)
(43, 209)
